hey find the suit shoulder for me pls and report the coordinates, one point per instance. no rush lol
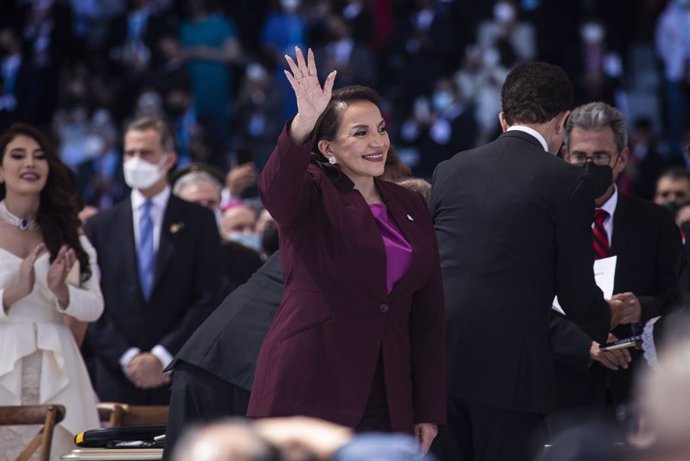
(106, 217)
(646, 208)
(189, 208)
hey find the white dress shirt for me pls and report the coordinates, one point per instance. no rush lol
(159, 204)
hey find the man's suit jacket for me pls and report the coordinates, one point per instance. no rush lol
(184, 291)
(336, 317)
(227, 343)
(513, 228)
(647, 242)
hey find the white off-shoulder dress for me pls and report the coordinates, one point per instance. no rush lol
(40, 362)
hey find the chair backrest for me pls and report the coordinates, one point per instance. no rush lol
(23, 415)
(123, 414)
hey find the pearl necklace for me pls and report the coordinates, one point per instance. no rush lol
(10, 218)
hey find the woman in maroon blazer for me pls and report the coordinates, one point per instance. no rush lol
(360, 334)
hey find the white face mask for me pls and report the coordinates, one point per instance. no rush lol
(140, 174)
(252, 241)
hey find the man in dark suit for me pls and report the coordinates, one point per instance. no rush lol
(513, 227)
(214, 370)
(160, 272)
(647, 243)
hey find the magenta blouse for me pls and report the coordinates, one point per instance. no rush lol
(398, 250)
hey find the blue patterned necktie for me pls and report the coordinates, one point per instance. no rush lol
(145, 250)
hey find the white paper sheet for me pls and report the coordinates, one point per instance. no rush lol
(604, 273)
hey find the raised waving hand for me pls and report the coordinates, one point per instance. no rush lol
(312, 98)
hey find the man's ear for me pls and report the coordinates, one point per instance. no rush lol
(502, 121)
(171, 160)
(560, 121)
(564, 152)
(623, 158)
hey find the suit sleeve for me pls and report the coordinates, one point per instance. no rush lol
(581, 299)
(668, 250)
(102, 338)
(570, 345)
(427, 333)
(285, 187)
(207, 278)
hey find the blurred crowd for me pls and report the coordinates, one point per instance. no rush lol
(213, 69)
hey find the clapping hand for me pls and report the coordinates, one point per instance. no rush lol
(57, 274)
(27, 274)
(312, 99)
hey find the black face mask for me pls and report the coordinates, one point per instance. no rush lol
(602, 177)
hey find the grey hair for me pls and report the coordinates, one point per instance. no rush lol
(597, 116)
(193, 178)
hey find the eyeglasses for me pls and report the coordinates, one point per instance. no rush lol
(600, 158)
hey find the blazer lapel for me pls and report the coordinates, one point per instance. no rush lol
(620, 240)
(171, 225)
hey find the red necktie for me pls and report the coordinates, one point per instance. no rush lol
(601, 237)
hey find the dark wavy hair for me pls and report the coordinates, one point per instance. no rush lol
(328, 123)
(58, 211)
(535, 92)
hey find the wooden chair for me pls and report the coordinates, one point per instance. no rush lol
(122, 414)
(24, 415)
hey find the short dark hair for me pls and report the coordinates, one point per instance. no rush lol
(157, 124)
(676, 173)
(535, 92)
(329, 121)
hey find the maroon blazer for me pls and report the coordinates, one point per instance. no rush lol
(321, 351)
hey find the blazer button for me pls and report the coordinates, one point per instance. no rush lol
(383, 308)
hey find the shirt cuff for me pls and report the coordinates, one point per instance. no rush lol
(648, 343)
(128, 356)
(162, 354)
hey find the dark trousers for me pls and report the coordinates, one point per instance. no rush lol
(198, 396)
(476, 432)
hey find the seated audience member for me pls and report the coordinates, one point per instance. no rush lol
(201, 184)
(673, 188)
(232, 439)
(239, 225)
(292, 439)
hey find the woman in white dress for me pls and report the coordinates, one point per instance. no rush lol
(48, 281)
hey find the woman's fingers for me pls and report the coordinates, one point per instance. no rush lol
(328, 84)
(293, 82)
(296, 73)
(311, 63)
(301, 63)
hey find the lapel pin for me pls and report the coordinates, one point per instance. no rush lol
(176, 227)
(410, 217)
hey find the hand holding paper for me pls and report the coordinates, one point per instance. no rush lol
(604, 273)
